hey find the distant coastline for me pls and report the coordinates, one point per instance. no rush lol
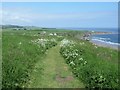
(112, 30)
(99, 33)
(105, 41)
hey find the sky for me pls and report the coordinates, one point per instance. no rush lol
(61, 14)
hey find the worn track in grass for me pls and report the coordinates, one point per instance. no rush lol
(55, 73)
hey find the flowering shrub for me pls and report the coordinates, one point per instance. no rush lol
(71, 53)
(91, 72)
(45, 43)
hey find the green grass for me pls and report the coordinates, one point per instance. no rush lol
(54, 74)
(100, 62)
(25, 64)
(19, 57)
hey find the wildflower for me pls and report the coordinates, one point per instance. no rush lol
(44, 32)
(55, 34)
(100, 76)
(30, 81)
(66, 42)
(117, 80)
(50, 34)
(35, 70)
(96, 47)
(76, 54)
(16, 84)
(85, 62)
(72, 63)
(20, 43)
(82, 43)
(80, 59)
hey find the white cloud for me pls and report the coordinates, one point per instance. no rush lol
(14, 17)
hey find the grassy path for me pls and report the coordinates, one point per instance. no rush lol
(56, 73)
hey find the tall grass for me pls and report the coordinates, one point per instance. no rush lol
(97, 67)
(19, 57)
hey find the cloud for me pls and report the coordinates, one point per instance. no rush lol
(14, 17)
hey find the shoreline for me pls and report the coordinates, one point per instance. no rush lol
(103, 33)
(104, 44)
(88, 37)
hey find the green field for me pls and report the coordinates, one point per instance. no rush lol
(56, 59)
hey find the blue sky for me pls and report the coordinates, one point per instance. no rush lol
(61, 14)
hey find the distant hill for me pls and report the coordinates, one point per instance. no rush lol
(10, 26)
(18, 27)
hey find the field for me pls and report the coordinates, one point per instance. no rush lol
(56, 59)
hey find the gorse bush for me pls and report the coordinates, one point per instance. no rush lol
(94, 72)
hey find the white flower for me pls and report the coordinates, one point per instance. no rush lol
(80, 59)
(85, 62)
(44, 32)
(55, 34)
(50, 34)
(20, 43)
(16, 84)
(66, 42)
(76, 54)
(82, 43)
(72, 63)
(96, 47)
(101, 76)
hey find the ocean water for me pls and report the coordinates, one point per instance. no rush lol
(113, 30)
(107, 38)
(111, 39)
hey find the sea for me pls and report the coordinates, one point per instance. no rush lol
(108, 39)
(112, 39)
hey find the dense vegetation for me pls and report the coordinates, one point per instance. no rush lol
(96, 67)
(21, 50)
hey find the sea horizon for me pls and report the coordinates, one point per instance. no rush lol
(112, 30)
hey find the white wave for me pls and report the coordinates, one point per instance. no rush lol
(101, 38)
(107, 42)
